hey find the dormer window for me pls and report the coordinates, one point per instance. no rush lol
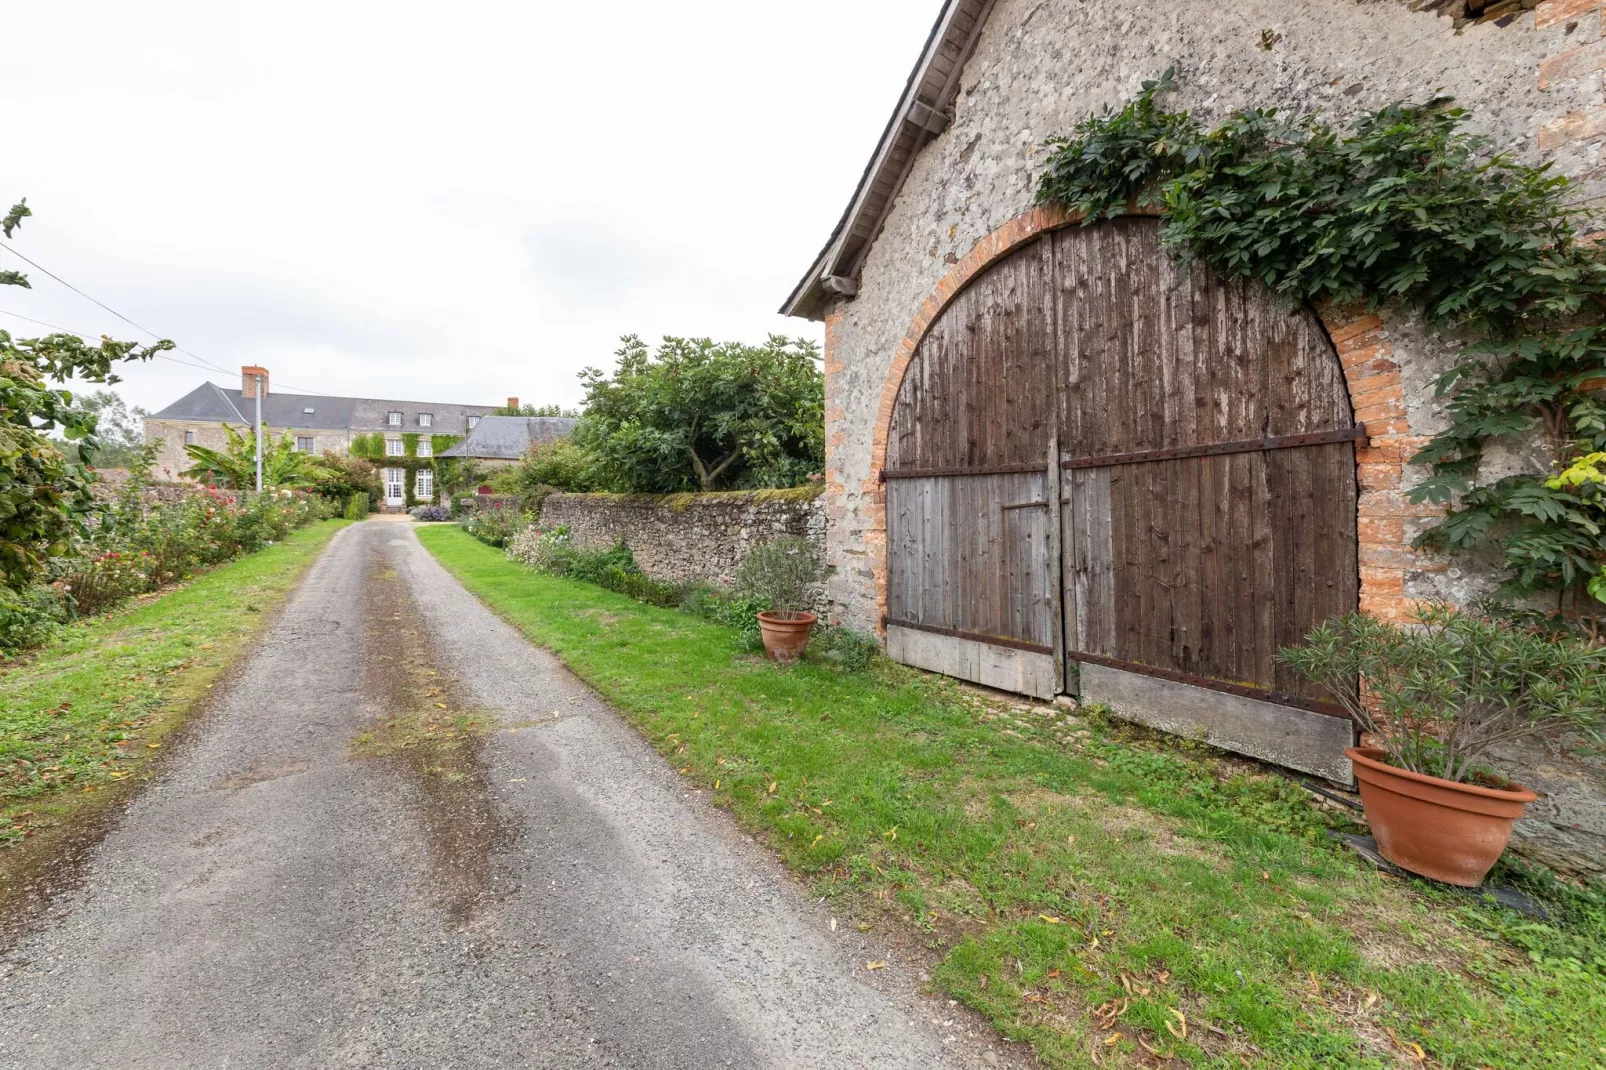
(395, 419)
(426, 419)
(308, 411)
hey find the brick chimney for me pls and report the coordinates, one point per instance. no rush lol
(248, 381)
(512, 403)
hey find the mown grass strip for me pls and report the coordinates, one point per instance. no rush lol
(1097, 897)
(87, 711)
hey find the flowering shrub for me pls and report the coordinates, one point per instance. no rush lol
(541, 549)
(495, 525)
(140, 546)
(432, 513)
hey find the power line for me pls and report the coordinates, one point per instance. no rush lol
(91, 337)
(208, 365)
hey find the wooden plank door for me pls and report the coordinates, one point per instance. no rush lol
(1209, 513)
(972, 585)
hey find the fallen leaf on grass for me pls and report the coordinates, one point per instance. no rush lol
(817, 839)
(440, 705)
(1410, 1048)
(1113, 1038)
(1182, 1019)
(891, 833)
(1156, 1052)
(153, 746)
(1050, 919)
(773, 786)
(876, 965)
(833, 925)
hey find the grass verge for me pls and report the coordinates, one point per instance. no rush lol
(1109, 899)
(82, 716)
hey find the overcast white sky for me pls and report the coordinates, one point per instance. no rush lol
(453, 202)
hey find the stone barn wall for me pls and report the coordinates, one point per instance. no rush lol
(1531, 76)
(687, 538)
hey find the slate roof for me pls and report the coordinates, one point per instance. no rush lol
(507, 438)
(212, 403)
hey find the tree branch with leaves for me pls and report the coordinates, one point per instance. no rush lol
(44, 495)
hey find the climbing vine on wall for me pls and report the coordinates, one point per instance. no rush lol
(371, 447)
(1405, 207)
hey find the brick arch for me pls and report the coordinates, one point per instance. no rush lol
(1370, 372)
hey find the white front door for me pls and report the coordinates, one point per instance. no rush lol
(395, 486)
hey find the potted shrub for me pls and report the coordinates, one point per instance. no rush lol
(1435, 700)
(782, 576)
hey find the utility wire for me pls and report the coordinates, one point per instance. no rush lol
(208, 365)
(92, 338)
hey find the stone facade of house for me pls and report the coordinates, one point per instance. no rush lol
(1532, 76)
(316, 423)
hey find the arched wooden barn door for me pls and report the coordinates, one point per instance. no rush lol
(1199, 440)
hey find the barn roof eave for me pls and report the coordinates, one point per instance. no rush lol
(921, 115)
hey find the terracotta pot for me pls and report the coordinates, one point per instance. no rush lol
(1447, 831)
(785, 634)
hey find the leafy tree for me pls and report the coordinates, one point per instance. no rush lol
(236, 466)
(535, 410)
(44, 494)
(560, 465)
(343, 476)
(119, 435)
(700, 415)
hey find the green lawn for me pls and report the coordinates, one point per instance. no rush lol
(1093, 892)
(83, 714)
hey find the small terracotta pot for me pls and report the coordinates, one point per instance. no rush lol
(785, 634)
(1447, 831)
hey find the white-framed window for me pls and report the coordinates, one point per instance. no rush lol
(395, 419)
(424, 484)
(304, 443)
(426, 419)
(473, 422)
(426, 448)
(395, 484)
(189, 438)
(395, 447)
(309, 410)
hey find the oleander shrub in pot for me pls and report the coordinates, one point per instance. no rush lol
(783, 575)
(1437, 697)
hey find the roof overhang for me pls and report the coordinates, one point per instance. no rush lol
(923, 112)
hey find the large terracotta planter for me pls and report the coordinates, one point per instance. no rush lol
(1447, 831)
(785, 634)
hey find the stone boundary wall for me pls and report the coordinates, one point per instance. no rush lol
(688, 538)
(110, 487)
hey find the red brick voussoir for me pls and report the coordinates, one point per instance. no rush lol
(1372, 376)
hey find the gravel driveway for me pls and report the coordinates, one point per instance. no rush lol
(300, 889)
